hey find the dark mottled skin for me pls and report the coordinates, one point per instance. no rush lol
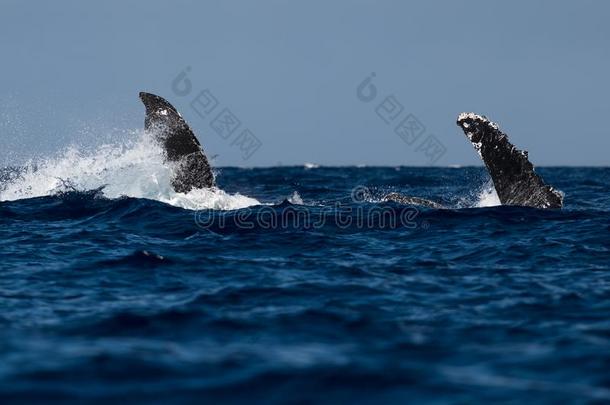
(181, 147)
(512, 173)
(403, 199)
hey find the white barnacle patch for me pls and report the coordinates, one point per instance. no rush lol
(466, 125)
(163, 112)
(477, 147)
(478, 118)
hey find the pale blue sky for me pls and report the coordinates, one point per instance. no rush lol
(72, 70)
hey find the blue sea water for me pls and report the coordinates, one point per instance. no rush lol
(317, 293)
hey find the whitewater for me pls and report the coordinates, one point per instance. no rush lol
(136, 168)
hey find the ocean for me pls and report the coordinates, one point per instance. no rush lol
(298, 285)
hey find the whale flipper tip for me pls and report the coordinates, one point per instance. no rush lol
(512, 173)
(181, 146)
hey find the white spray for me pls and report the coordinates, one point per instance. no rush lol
(133, 169)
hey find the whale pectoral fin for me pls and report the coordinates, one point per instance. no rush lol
(512, 173)
(179, 143)
(193, 171)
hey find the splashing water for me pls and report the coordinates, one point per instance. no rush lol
(296, 199)
(135, 168)
(488, 197)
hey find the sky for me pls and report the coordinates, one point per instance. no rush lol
(287, 78)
